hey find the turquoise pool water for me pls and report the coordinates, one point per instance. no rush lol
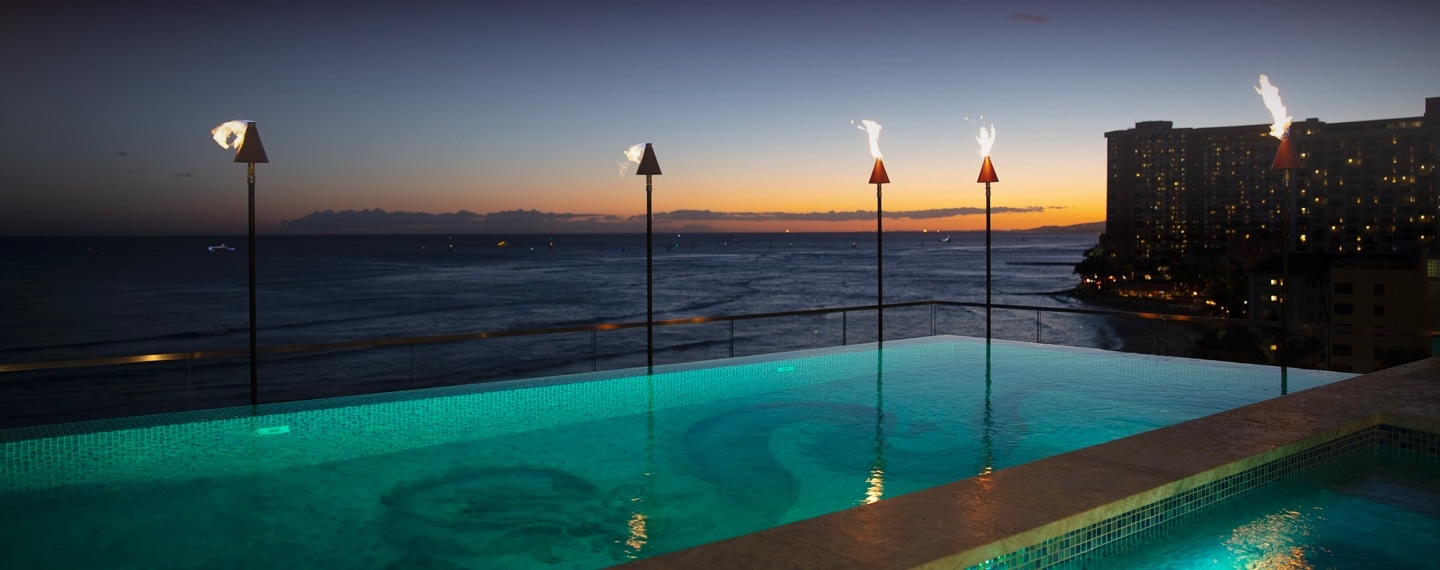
(579, 472)
(1365, 511)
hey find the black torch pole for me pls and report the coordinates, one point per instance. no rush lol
(1285, 285)
(649, 281)
(879, 272)
(987, 262)
(254, 367)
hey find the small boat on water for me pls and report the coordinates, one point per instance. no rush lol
(222, 248)
(945, 239)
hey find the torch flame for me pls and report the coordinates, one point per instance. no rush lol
(1271, 94)
(235, 129)
(634, 153)
(986, 140)
(873, 128)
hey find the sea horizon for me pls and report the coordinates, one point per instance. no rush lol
(1075, 228)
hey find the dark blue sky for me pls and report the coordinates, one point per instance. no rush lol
(486, 107)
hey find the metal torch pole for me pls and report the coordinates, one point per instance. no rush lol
(254, 370)
(987, 262)
(649, 281)
(1285, 281)
(879, 272)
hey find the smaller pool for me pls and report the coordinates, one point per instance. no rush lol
(1366, 510)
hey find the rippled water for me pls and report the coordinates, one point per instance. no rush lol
(67, 298)
(583, 474)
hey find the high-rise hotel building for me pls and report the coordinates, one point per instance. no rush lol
(1363, 187)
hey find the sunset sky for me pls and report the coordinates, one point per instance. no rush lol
(487, 107)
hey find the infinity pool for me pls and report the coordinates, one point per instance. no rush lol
(583, 471)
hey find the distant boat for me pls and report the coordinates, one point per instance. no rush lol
(945, 239)
(503, 243)
(222, 248)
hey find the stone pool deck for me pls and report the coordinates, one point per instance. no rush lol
(975, 520)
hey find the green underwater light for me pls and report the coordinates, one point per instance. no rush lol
(275, 430)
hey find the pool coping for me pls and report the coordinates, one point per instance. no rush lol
(985, 519)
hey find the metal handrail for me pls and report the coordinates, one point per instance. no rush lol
(435, 339)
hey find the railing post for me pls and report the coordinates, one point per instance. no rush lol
(844, 330)
(593, 351)
(732, 338)
(1037, 326)
(932, 319)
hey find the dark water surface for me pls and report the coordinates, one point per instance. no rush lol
(69, 298)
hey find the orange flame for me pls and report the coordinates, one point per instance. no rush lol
(224, 132)
(873, 128)
(986, 140)
(1280, 128)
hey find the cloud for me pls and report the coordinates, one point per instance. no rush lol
(833, 216)
(512, 221)
(534, 221)
(122, 153)
(1028, 17)
(184, 175)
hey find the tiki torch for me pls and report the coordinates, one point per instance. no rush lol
(1285, 161)
(649, 167)
(987, 175)
(878, 177)
(248, 150)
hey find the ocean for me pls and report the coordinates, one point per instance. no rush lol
(71, 298)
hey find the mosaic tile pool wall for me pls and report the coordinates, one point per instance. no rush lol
(1117, 534)
(224, 441)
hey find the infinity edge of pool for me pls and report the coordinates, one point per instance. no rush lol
(1047, 510)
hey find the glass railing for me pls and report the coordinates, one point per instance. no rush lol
(33, 393)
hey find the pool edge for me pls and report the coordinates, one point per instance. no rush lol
(998, 519)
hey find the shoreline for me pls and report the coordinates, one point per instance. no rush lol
(1146, 336)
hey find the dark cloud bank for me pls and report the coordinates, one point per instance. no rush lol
(534, 221)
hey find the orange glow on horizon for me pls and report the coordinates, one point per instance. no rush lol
(1065, 185)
